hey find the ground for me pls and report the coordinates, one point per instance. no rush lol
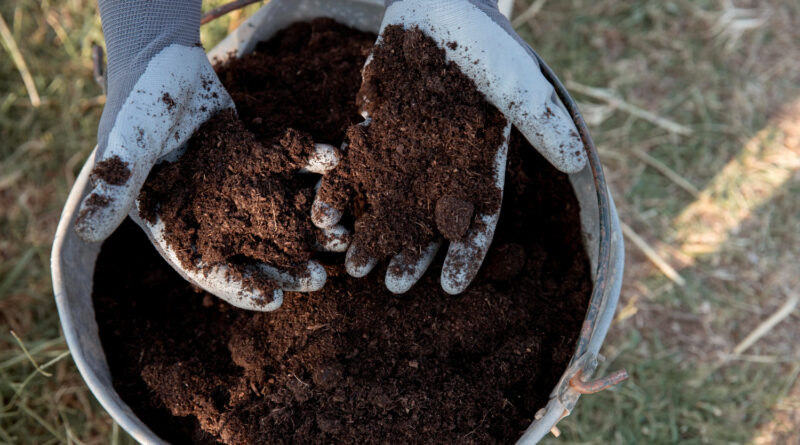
(695, 108)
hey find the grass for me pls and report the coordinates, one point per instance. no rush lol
(728, 73)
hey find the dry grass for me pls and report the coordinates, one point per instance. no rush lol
(717, 203)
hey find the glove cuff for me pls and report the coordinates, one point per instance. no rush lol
(136, 30)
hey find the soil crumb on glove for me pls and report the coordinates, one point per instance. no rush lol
(235, 196)
(432, 134)
(113, 171)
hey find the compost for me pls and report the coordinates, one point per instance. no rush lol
(351, 363)
(235, 196)
(432, 136)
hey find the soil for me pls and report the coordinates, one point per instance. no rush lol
(351, 363)
(230, 196)
(432, 135)
(113, 171)
(235, 196)
(453, 216)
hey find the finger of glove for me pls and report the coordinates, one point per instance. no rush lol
(323, 159)
(117, 180)
(405, 269)
(213, 279)
(357, 262)
(464, 257)
(323, 214)
(503, 68)
(335, 239)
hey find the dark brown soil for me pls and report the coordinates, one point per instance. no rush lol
(230, 195)
(432, 134)
(351, 363)
(235, 196)
(113, 171)
(304, 78)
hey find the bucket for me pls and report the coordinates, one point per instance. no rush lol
(73, 260)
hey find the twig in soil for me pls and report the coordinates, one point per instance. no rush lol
(298, 378)
(671, 174)
(11, 46)
(652, 255)
(767, 325)
(610, 98)
(528, 14)
(475, 430)
(224, 9)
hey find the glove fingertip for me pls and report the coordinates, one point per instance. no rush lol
(323, 159)
(98, 217)
(557, 139)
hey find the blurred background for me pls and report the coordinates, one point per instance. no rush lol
(695, 108)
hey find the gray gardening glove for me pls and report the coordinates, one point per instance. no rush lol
(161, 88)
(506, 71)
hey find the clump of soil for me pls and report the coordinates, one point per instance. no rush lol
(432, 136)
(235, 196)
(229, 196)
(113, 171)
(353, 363)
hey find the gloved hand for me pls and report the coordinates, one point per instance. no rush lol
(161, 88)
(506, 71)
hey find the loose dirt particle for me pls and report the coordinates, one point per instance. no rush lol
(167, 99)
(113, 171)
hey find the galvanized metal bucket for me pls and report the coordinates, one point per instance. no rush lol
(73, 260)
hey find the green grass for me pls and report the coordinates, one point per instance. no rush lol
(681, 59)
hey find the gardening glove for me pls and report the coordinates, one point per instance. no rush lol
(215, 278)
(481, 42)
(161, 88)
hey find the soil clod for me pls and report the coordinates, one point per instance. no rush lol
(432, 135)
(113, 171)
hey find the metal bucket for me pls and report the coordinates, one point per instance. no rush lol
(73, 260)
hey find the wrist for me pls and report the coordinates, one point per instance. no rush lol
(136, 30)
